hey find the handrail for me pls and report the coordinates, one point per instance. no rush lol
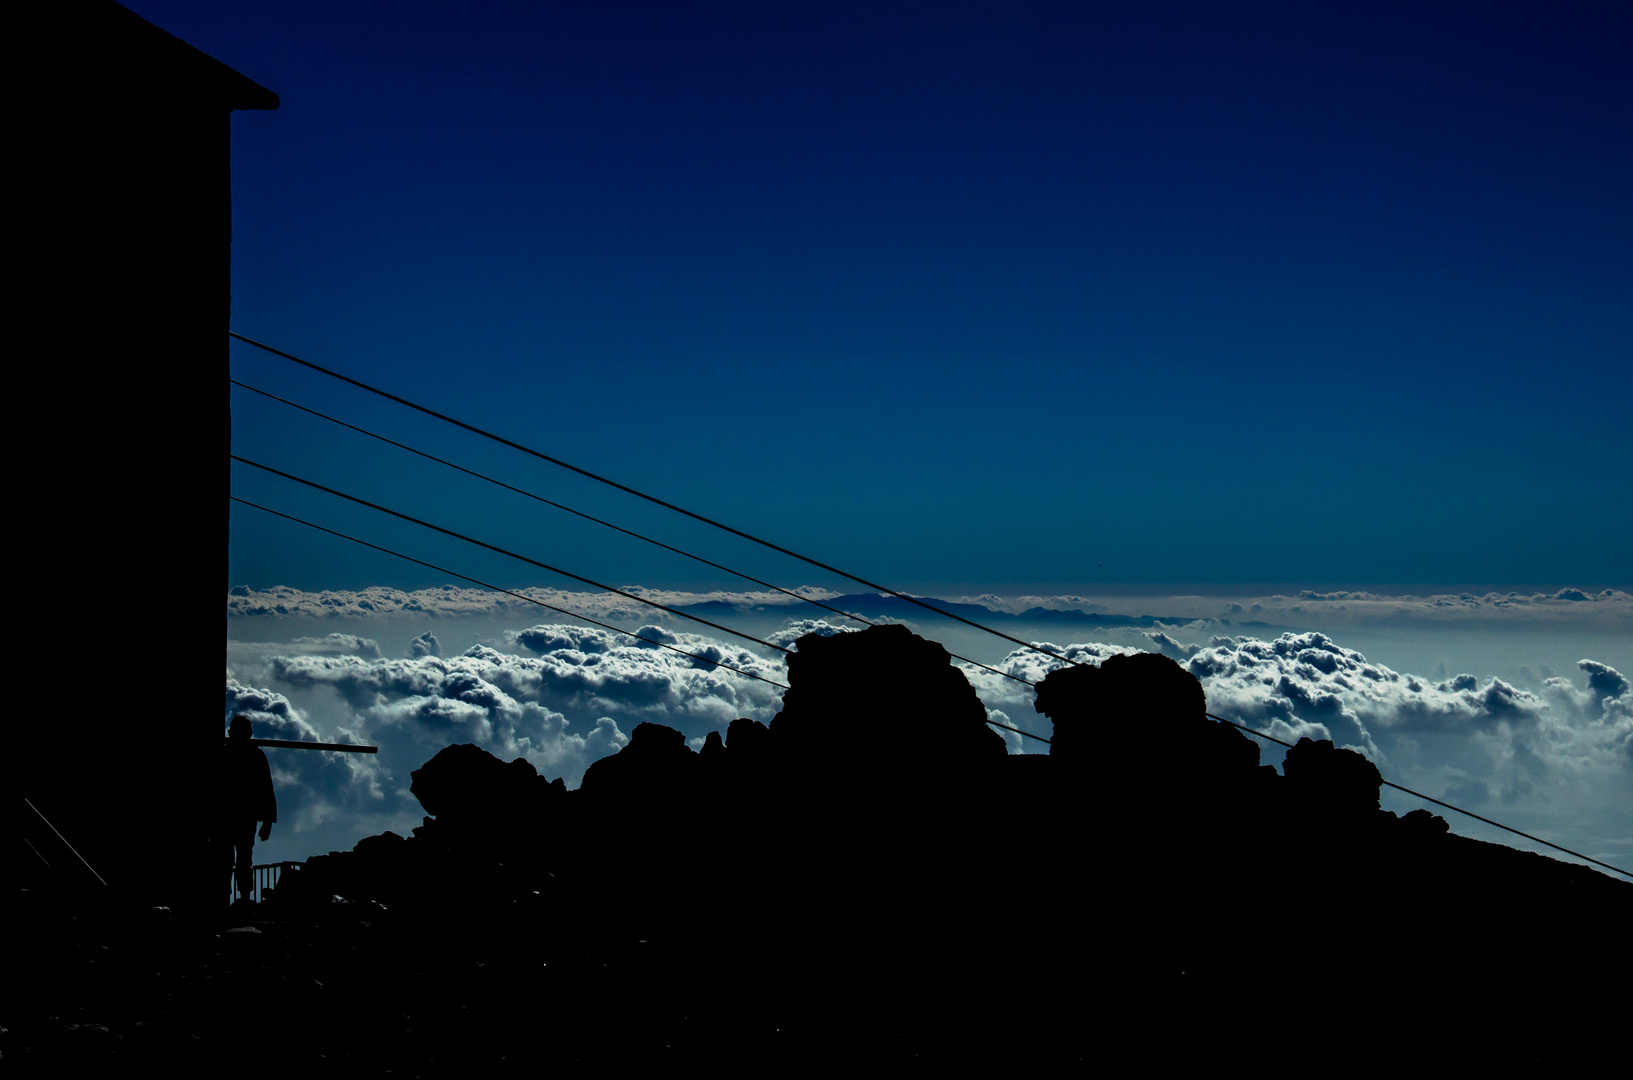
(71, 849)
(266, 878)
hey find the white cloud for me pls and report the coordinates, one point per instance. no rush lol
(336, 645)
(1557, 763)
(798, 628)
(563, 696)
(1604, 609)
(1552, 755)
(453, 601)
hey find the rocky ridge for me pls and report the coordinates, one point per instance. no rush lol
(885, 886)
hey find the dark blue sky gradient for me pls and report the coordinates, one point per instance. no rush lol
(988, 294)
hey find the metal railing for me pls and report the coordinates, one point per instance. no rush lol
(266, 879)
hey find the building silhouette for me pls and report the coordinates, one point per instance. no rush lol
(122, 243)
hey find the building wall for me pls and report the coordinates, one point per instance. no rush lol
(120, 637)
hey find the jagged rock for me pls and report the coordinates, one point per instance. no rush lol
(889, 689)
(1142, 708)
(1134, 743)
(1331, 783)
(385, 848)
(1203, 761)
(377, 867)
(747, 739)
(1422, 824)
(656, 763)
(465, 786)
(1065, 696)
(1126, 696)
(812, 879)
(1226, 751)
(714, 766)
(813, 848)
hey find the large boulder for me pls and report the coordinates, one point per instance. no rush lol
(654, 767)
(891, 698)
(1133, 737)
(467, 788)
(1332, 785)
(1100, 709)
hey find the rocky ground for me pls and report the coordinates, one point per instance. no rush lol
(926, 902)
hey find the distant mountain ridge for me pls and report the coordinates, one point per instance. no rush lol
(878, 606)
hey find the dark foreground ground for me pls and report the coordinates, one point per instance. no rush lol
(354, 990)
(1117, 977)
(1136, 900)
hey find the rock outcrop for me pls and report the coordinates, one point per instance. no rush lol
(877, 835)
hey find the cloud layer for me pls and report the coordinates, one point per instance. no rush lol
(1555, 758)
(1558, 762)
(1607, 608)
(561, 696)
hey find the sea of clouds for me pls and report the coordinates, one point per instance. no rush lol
(1554, 758)
(1610, 609)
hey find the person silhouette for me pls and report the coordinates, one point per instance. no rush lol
(246, 798)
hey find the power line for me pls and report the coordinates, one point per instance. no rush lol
(547, 502)
(641, 494)
(750, 637)
(507, 592)
(1018, 731)
(767, 544)
(741, 671)
(505, 551)
(590, 517)
(541, 603)
(1437, 802)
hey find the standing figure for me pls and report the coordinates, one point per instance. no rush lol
(246, 798)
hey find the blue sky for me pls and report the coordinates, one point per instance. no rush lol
(1196, 311)
(1014, 295)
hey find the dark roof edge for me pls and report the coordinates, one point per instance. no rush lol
(239, 90)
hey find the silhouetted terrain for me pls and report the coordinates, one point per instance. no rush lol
(879, 887)
(875, 605)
